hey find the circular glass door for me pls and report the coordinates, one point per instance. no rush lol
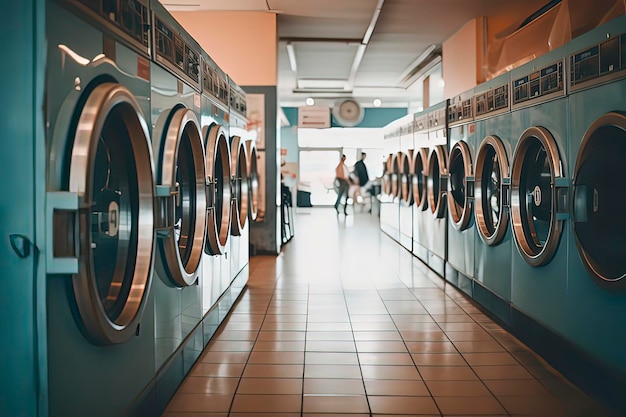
(181, 169)
(219, 189)
(599, 200)
(437, 181)
(395, 175)
(386, 187)
(419, 179)
(111, 170)
(535, 169)
(459, 175)
(490, 190)
(406, 191)
(240, 181)
(253, 180)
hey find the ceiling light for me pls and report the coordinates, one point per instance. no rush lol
(377, 102)
(309, 101)
(292, 57)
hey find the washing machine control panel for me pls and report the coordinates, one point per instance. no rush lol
(545, 82)
(493, 100)
(599, 63)
(176, 54)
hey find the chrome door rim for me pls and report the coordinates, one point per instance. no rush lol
(421, 198)
(239, 169)
(499, 151)
(437, 200)
(538, 254)
(184, 124)
(218, 223)
(460, 221)
(253, 178)
(597, 271)
(102, 101)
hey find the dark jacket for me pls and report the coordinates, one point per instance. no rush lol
(361, 172)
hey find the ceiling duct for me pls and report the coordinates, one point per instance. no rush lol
(421, 66)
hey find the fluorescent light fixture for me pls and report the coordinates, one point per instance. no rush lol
(377, 102)
(309, 101)
(322, 84)
(291, 53)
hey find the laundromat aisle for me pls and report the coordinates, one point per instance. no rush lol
(347, 322)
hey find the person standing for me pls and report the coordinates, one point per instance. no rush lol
(342, 184)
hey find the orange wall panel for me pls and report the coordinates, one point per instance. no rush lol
(244, 44)
(462, 58)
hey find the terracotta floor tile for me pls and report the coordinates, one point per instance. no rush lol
(377, 336)
(334, 336)
(330, 358)
(502, 372)
(390, 372)
(495, 358)
(370, 318)
(457, 388)
(396, 387)
(517, 388)
(209, 356)
(375, 358)
(333, 386)
(334, 404)
(373, 326)
(297, 346)
(208, 385)
(278, 386)
(330, 346)
(469, 405)
(269, 336)
(381, 346)
(332, 371)
(479, 346)
(217, 369)
(230, 346)
(439, 359)
(273, 371)
(199, 403)
(431, 347)
(283, 326)
(284, 358)
(266, 403)
(447, 373)
(402, 405)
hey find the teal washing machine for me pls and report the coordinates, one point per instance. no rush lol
(595, 301)
(437, 180)
(180, 177)
(419, 169)
(493, 238)
(405, 190)
(539, 190)
(390, 200)
(217, 299)
(461, 233)
(100, 205)
(240, 183)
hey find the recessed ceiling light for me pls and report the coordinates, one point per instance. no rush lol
(377, 102)
(309, 101)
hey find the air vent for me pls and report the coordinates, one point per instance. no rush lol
(348, 113)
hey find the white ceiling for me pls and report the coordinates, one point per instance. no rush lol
(335, 59)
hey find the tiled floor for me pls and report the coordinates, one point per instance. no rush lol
(346, 322)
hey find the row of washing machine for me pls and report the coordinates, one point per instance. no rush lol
(151, 181)
(514, 192)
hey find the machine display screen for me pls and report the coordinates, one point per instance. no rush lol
(540, 83)
(598, 61)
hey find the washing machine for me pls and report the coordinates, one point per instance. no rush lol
(493, 239)
(179, 163)
(460, 195)
(100, 205)
(215, 131)
(390, 205)
(240, 184)
(596, 278)
(539, 189)
(405, 190)
(436, 192)
(419, 168)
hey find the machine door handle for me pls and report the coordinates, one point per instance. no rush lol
(20, 244)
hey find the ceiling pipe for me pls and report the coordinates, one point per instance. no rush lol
(360, 53)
